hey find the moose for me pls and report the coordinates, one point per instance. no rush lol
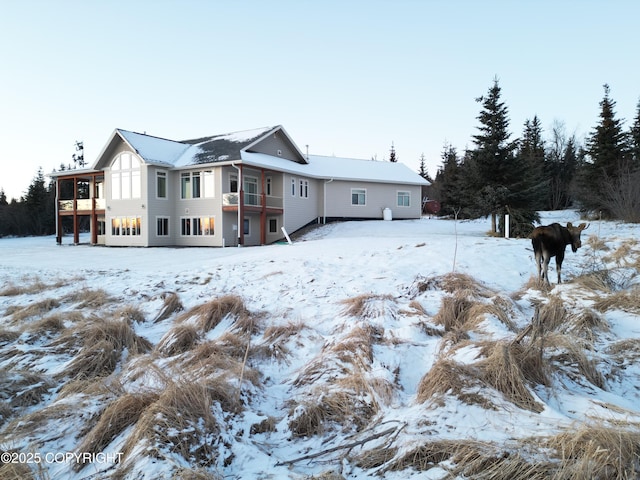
(550, 241)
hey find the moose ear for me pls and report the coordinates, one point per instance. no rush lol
(583, 226)
(569, 225)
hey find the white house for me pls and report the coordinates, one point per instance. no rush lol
(237, 188)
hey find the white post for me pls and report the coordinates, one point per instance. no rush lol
(286, 235)
(506, 226)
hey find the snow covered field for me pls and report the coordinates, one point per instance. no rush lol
(331, 359)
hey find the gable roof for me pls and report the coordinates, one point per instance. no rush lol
(221, 147)
(339, 169)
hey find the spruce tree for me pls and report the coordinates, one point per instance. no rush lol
(634, 138)
(392, 154)
(532, 156)
(606, 151)
(447, 186)
(493, 180)
(423, 168)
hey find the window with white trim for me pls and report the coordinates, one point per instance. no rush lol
(162, 226)
(273, 225)
(161, 184)
(126, 226)
(404, 199)
(293, 187)
(125, 177)
(197, 226)
(304, 188)
(197, 184)
(358, 196)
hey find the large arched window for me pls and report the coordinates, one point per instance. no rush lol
(125, 177)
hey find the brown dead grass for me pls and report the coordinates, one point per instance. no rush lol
(36, 309)
(627, 301)
(103, 342)
(448, 377)
(131, 314)
(368, 305)
(179, 421)
(179, 339)
(171, 305)
(88, 298)
(502, 369)
(597, 451)
(568, 353)
(121, 413)
(208, 315)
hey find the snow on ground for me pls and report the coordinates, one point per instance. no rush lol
(307, 283)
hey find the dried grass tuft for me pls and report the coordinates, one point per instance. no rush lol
(446, 376)
(119, 414)
(103, 343)
(88, 298)
(179, 339)
(35, 309)
(597, 451)
(454, 311)
(502, 370)
(368, 305)
(171, 305)
(130, 313)
(627, 301)
(210, 314)
(553, 313)
(181, 422)
(571, 355)
(23, 388)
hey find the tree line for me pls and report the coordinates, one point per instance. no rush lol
(520, 177)
(497, 176)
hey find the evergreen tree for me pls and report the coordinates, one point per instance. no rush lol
(39, 206)
(634, 138)
(3, 198)
(423, 168)
(532, 155)
(446, 185)
(606, 155)
(392, 154)
(493, 182)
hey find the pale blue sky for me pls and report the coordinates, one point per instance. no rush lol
(347, 78)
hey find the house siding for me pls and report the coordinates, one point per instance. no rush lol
(274, 143)
(378, 197)
(299, 211)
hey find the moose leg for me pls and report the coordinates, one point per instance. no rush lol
(559, 259)
(546, 258)
(539, 263)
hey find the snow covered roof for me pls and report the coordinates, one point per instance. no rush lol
(339, 168)
(236, 146)
(211, 149)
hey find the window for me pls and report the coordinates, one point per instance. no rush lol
(273, 225)
(195, 177)
(196, 184)
(208, 183)
(404, 199)
(251, 191)
(358, 196)
(161, 184)
(304, 188)
(197, 226)
(293, 187)
(247, 225)
(126, 226)
(125, 177)
(268, 185)
(162, 228)
(233, 182)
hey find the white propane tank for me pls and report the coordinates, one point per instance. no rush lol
(386, 214)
